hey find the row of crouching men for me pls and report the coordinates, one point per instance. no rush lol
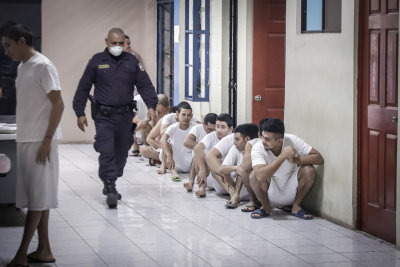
(260, 164)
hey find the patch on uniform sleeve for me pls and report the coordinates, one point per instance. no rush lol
(141, 66)
(103, 66)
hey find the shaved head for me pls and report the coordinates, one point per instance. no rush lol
(117, 31)
(163, 100)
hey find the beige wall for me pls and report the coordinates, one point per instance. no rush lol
(320, 107)
(75, 30)
(245, 61)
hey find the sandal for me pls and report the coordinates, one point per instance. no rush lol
(176, 178)
(135, 153)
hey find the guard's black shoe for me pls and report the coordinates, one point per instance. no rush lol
(112, 201)
(111, 193)
(106, 189)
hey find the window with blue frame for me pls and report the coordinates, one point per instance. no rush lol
(321, 16)
(197, 36)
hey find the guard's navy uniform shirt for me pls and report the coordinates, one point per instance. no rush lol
(114, 82)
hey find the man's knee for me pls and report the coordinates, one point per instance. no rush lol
(144, 151)
(307, 172)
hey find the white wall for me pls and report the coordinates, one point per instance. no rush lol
(245, 61)
(75, 30)
(320, 107)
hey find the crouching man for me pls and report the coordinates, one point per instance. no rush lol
(283, 168)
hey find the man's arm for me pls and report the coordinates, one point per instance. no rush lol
(265, 172)
(190, 141)
(246, 163)
(313, 158)
(140, 124)
(227, 169)
(57, 109)
(163, 129)
(154, 133)
(82, 94)
(167, 150)
(214, 160)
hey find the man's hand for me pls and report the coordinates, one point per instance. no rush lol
(288, 152)
(151, 115)
(43, 154)
(82, 122)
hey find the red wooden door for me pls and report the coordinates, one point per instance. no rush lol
(269, 59)
(378, 92)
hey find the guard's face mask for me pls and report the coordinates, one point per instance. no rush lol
(115, 50)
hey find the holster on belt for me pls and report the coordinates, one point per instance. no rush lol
(93, 106)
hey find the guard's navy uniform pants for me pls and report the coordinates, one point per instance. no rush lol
(114, 138)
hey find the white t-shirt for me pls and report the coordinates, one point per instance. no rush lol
(198, 131)
(209, 141)
(36, 78)
(253, 141)
(176, 139)
(141, 108)
(233, 158)
(171, 119)
(225, 144)
(261, 156)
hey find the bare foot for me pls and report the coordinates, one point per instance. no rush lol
(201, 192)
(235, 200)
(23, 261)
(188, 186)
(162, 169)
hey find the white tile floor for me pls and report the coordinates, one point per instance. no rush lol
(158, 223)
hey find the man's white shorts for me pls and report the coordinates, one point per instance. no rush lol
(37, 184)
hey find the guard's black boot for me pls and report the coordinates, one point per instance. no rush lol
(111, 193)
(119, 196)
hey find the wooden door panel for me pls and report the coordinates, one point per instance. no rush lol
(373, 183)
(269, 58)
(379, 104)
(392, 63)
(390, 172)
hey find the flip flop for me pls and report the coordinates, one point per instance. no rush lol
(259, 214)
(176, 178)
(135, 153)
(302, 215)
(33, 260)
(248, 209)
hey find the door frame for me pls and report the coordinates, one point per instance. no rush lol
(233, 54)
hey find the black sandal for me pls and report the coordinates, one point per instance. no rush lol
(135, 153)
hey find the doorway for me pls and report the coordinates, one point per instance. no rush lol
(269, 59)
(378, 94)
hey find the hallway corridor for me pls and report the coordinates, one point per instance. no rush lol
(158, 223)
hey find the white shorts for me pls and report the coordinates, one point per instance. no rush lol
(37, 184)
(284, 192)
(181, 164)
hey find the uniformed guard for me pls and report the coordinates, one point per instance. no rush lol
(114, 74)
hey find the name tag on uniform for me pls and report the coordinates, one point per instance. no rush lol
(104, 66)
